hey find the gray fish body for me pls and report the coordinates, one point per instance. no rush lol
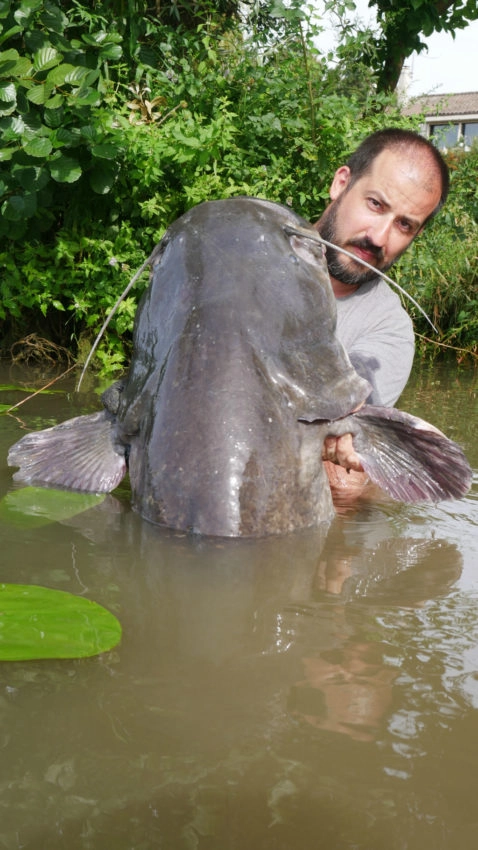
(227, 360)
(236, 378)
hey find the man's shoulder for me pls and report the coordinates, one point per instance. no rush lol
(378, 290)
(373, 308)
(375, 296)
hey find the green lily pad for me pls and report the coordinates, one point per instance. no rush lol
(38, 622)
(31, 507)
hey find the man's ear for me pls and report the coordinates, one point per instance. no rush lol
(340, 182)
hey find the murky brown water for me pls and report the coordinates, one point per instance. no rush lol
(314, 691)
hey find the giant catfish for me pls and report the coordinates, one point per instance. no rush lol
(236, 379)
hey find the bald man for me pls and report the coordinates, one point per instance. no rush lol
(381, 199)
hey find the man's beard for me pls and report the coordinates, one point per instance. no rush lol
(349, 275)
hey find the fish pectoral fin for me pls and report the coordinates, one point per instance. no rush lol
(409, 458)
(78, 454)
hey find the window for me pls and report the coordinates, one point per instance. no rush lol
(470, 133)
(445, 135)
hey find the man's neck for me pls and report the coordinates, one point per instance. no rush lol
(342, 289)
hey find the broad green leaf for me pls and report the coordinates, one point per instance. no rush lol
(88, 97)
(8, 58)
(8, 99)
(30, 507)
(57, 75)
(8, 109)
(39, 622)
(95, 39)
(39, 146)
(32, 178)
(105, 151)
(88, 132)
(6, 154)
(189, 141)
(6, 34)
(46, 58)
(64, 169)
(102, 178)
(15, 126)
(53, 19)
(32, 124)
(77, 75)
(26, 10)
(53, 103)
(22, 67)
(68, 137)
(7, 92)
(40, 94)
(18, 207)
(92, 76)
(111, 51)
(13, 65)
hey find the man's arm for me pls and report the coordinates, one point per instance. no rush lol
(378, 336)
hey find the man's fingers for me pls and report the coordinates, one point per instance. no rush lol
(340, 450)
(329, 451)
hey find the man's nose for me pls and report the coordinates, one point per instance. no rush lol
(379, 232)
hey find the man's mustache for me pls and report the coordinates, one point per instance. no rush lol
(366, 245)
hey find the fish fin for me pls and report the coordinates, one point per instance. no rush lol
(409, 458)
(78, 454)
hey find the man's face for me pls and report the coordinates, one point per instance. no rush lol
(377, 217)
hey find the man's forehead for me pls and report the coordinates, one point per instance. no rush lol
(407, 176)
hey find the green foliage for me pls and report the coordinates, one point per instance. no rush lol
(56, 125)
(100, 156)
(441, 268)
(382, 49)
(402, 23)
(112, 124)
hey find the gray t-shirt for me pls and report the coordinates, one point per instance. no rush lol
(377, 334)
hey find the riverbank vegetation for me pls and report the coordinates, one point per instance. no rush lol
(116, 117)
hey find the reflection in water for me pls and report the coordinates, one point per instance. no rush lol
(349, 689)
(312, 691)
(346, 690)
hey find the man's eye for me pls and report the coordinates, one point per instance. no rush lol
(374, 203)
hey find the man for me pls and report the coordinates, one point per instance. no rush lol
(381, 199)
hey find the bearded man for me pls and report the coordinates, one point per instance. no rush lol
(381, 200)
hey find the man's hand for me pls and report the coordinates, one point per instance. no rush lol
(346, 477)
(340, 450)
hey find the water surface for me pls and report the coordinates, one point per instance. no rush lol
(318, 690)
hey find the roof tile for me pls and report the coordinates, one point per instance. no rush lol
(464, 103)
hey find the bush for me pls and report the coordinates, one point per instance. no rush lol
(105, 141)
